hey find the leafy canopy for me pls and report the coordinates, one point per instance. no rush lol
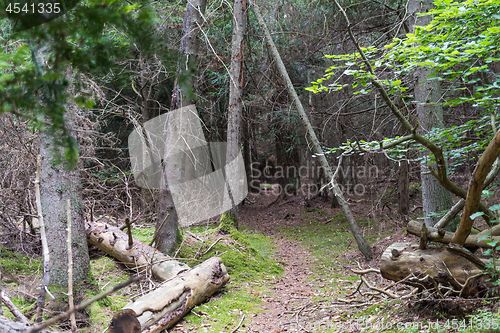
(36, 64)
(461, 45)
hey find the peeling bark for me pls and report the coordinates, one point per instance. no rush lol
(141, 256)
(162, 308)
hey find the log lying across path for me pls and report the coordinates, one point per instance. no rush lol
(434, 268)
(439, 235)
(163, 307)
(115, 242)
(183, 288)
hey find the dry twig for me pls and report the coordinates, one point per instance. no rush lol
(70, 269)
(80, 307)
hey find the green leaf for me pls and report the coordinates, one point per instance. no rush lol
(494, 30)
(492, 242)
(483, 237)
(495, 207)
(473, 216)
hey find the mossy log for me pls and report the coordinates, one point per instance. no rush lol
(139, 256)
(163, 307)
(445, 237)
(434, 268)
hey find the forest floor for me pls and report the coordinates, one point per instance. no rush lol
(317, 273)
(291, 268)
(317, 292)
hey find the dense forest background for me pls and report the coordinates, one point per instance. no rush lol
(401, 98)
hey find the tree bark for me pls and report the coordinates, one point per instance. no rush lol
(58, 185)
(362, 244)
(167, 224)
(434, 268)
(235, 98)
(403, 189)
(162, 308)
(445, 237)
(475, 188)
(435, 198)
(141, 256)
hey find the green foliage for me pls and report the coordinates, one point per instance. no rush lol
(34, 70)
(491, 266)
(461, 45)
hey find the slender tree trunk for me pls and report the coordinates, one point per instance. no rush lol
(403, 177)
(475, 188)
(167, 224)
(146, 199)
(247, 154)
(362, 244)
(403, 189)
(435, 198)
(235, 97)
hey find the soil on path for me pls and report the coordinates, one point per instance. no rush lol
(285, 306)
(295, 302)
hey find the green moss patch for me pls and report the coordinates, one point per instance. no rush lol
(143, 233)
(247, 257)
(18, 264)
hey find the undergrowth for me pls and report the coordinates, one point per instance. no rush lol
(246, 255)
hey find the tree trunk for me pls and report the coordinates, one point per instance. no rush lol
(475, 188)
(252, 184)
(362, 244)
(435, 198)
(403, 189)
(167, 224)
(235, 99)
(57, 185)
(163, 307)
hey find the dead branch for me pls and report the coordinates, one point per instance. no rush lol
(80, 307)
(46, 259)
(239, 324)
(445, 237)
(14, 310)
(70, 268)
(210, 247)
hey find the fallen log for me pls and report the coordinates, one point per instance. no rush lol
(445, 237)
(435, 268)
(163, 307)
(140, 256)
(9, 326)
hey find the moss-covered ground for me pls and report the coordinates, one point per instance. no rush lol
(246, 255)
(250, 259)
